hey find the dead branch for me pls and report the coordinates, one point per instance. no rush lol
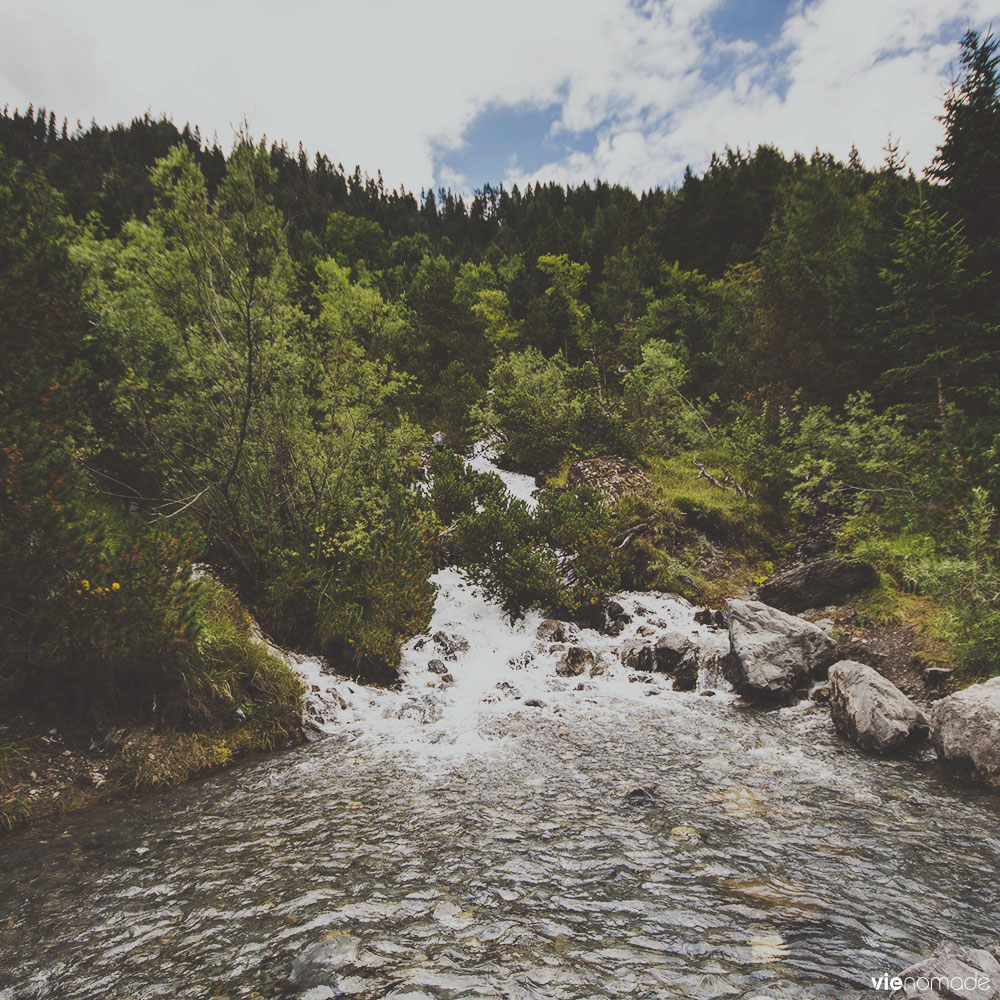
(725, 483)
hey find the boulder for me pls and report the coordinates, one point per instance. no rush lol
(965, 730)
(574, 662)
(677, 656)
(817, 584)
(773, 654)
(953, 971)
(437, 667)
(869, 710)
(551, 630)
(614, 476)
(637, 656)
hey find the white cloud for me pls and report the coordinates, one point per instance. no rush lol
(842, 73)
(388, 83)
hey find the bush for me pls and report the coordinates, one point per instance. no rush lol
(112, 624)
(532, 409)
(454, 486)
(560, 557)
(659, 416)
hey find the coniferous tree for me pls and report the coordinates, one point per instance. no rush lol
(968, 160)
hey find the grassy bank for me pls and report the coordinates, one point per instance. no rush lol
(701, 539)
(226, 695)
(47, 770)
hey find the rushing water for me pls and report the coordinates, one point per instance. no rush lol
(449, 840)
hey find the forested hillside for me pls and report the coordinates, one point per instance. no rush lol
(238, 360)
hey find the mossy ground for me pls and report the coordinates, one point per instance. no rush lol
(704, 542)
(47, 770)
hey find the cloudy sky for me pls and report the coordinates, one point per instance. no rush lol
(461, 92)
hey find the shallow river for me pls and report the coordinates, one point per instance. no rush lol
(450, 841)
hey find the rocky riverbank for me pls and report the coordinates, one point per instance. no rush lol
(48, 770)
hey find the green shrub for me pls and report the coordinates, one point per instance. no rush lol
(454, 488)
(532, 409)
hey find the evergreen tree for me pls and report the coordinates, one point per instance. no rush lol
(968, 160)
(941, 349)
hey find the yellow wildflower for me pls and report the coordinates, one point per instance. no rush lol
(116, 586)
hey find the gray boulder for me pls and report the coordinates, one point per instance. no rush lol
(773, 654)
(677, 656)
(574, 661)
(551, 630)
(965, 730)
(953, 972)
(869, 710)
(637, 656)
(817, 584)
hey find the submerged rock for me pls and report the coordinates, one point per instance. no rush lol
(820, 694)
(817, 584)
(870, 710)
(319, 964)
(551, 630)
(641, 795)
(953, 971)
(713, 619)
(614, 619)
(450, 645)
(965, 730)
(773, 654)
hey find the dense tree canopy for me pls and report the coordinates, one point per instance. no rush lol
(237, 360)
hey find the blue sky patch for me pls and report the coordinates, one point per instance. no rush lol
(502, 136)
(756, 21)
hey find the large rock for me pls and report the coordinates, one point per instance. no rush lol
(773, 654)
(615, 477)
(965, 729)
(574, 661)
(677, 656)
(551, 630)
(637, 655)
(870, 710)
(816, 584)
(951, 972)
